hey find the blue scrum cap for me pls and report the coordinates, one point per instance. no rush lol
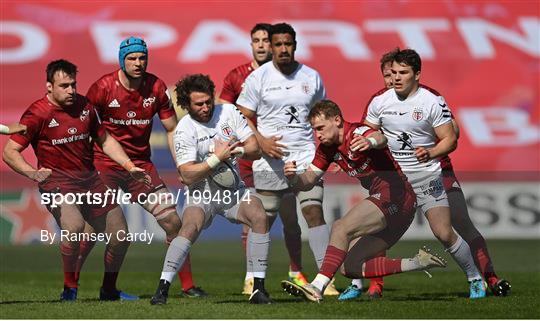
(129, 45)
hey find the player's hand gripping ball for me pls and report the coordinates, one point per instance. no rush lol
(225, 177)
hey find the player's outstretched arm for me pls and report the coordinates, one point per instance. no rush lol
(375, 140)
(13, 157)
(12, 129)
(114, 150)
(447, 144)
(303, 181)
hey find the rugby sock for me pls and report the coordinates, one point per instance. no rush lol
(293, 242)
(319, 237)
(483, 260)
(69, 263)
(84, 250)
(258, 245)
(113, 260)
(381, 266)
(461, 253)
(176, 254)
(357, 283)
(332, 260)
(320, 282)
(377, 281)
(249, 266)
(185, 276)
(244, 237)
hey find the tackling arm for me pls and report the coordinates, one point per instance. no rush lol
(13, 157)
(304, 181)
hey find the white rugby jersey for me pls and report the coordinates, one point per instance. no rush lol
(282, 103)
(409, 124)
(192, 139)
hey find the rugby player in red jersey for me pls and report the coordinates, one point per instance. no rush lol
(126, 100)
(232, 87)
(376, 284)
(375, 223)
(59, 127)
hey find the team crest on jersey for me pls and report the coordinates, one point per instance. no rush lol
(84, 114)
(72, 130)
(226, 130)
(418, 114)
(147, 102)
(131, 114)
(306, 88)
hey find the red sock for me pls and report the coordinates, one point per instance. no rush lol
(378, 281)
(185, 276)
(333, 258)
(69, 262)
(381, 266)
(244, 240)
(84, 250)
(483, 261)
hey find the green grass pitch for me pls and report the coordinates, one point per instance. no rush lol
(31, 282)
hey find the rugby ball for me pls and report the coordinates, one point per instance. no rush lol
(225, 176)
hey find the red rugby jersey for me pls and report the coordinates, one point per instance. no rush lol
(371, 167)
(60, 139)
(127, 114)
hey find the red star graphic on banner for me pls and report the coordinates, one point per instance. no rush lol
(28, 217)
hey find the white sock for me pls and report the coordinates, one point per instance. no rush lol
(357, 282)
(319, 237)
(249, 266)
(175, 257)
(320, 282)
(259, 245)
(410, 264)
(461, 252)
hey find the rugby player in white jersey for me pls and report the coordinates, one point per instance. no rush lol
(206, 143)
(280, 95)
(418, 125)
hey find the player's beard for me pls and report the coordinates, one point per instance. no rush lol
(202, 119)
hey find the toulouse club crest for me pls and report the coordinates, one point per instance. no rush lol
(226, 130)
(418, 114)
(306, 88)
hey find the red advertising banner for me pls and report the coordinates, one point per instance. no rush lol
(482, 56)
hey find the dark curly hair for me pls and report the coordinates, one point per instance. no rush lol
(193, 83)
(388, 57)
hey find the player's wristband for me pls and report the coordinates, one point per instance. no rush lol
(213, 161)
(4, 129)
(238, 152)
(372, 141)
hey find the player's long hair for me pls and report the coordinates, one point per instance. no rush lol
(193, 83)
